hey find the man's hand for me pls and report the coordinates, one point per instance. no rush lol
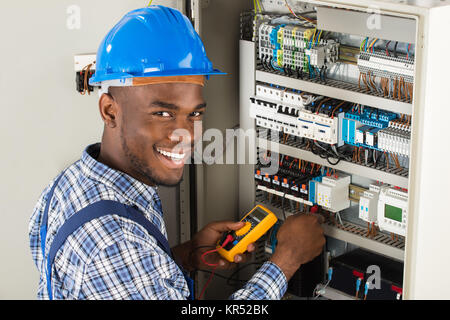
(300, 239)
(206, 239)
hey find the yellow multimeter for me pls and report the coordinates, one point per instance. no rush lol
(257, 222)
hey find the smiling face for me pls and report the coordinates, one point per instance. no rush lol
(149, 130)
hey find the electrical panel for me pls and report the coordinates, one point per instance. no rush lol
(332, 103)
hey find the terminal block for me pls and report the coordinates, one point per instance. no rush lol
(381, 65)
(289, 48)
(394, 140)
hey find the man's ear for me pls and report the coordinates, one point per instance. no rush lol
(108, 110)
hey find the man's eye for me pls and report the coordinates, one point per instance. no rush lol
(196, 114)
(163, 114)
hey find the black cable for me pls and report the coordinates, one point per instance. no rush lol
(240, 269)
(395, 50)
(230, 278)
(335, 163)
(282, 206)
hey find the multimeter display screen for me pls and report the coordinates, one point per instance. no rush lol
(393, 213)
(258, 214)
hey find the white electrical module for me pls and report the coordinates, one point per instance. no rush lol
(332, 192)
(393, 210)
(368, 204)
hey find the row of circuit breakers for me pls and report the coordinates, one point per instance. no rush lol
(332, 122)
(302, 52)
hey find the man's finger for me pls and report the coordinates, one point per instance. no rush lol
(223, 226)
(240, 258)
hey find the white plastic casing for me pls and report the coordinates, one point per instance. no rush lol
(394, 141)
(269, 92)
(332, 192)
(306, 125)
(320, 127)
(395, 198)
(83, 60)
(368, 206)
(265, 108)
(359, 135)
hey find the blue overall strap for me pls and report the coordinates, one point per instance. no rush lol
(43, 228)
(97, 210)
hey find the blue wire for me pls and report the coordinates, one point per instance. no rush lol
(318, 71)
(374, 43)
(277, 68)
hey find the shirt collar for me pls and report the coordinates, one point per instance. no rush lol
(131, 189)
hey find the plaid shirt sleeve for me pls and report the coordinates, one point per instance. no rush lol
(268, 283)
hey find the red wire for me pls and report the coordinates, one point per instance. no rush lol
(207, 283)
(227, 240)
(204, 261)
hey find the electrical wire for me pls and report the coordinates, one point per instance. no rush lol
(363, 43)
(387, 48)
(282, 206)
(230, 278)
(207, 283)
(299, 16)
(372, 44)
(86, 71)
(259, 6)
(149, 4)
(228, 239)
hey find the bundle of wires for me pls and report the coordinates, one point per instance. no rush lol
(257, 8)
(368, 47)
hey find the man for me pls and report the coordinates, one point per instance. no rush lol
(151, 67)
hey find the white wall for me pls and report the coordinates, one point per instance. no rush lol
(45, 123)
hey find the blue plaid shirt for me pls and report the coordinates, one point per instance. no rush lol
(112, 257)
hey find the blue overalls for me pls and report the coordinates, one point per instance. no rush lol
(93, 211)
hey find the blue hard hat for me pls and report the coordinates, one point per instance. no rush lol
(155, 41)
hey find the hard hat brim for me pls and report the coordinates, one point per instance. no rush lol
(96, 80)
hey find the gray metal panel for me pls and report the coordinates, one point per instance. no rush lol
(246, 90)
(217, 194)
(348, 167)
(184, 208)
(367, 24)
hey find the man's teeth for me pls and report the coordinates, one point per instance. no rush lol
(174, 156)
